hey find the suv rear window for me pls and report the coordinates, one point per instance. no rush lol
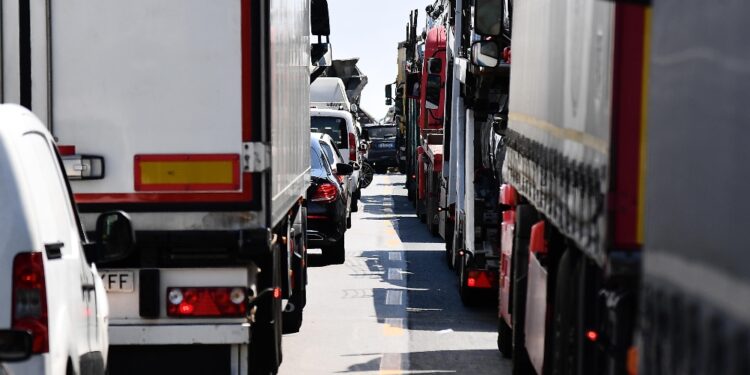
(333, 126)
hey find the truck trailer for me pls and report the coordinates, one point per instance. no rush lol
(613, 266)
(193, 117)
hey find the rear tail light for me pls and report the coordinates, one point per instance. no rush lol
(352, 147)
(30, 299)
(480, 279)
(326, 192)
(206, 302)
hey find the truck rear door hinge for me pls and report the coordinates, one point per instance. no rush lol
(256, 157)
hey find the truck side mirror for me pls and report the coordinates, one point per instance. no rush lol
(15, 345)
(115, 238)
(319, 19)
(321, 54)
(488, 17)
(434, 65)
(433, 91)
(485, 54)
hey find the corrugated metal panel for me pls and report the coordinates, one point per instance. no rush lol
(290, 95)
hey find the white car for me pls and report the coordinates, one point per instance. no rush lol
(339, 124)
(48, 289)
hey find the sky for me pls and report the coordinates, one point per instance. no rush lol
(371, 30)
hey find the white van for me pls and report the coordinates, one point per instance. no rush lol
(339, 125)
(48, 289)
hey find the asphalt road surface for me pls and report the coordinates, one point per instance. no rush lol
(393, 306)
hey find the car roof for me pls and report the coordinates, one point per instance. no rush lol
(15, 121)
(315, 111)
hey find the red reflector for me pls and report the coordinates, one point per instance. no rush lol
(66, 150)
(316, 217)
(480, 279)
(30, 299)
(592, 335)
(277, 293)
(205, 302)
(326, 193)
(537, 242)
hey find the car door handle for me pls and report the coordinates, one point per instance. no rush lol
(54, 250)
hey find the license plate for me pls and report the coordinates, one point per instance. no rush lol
(118, 281)
(385, 145)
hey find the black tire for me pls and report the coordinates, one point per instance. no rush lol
(354, 204)
(504, 337)
(526, 216)
(366, 173)
(469, 297)
(292, 317)
(265, 344)
(433, 218)
(564, 322)
(336, 253)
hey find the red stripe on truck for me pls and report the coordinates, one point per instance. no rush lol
(247, 73)
(627, 81)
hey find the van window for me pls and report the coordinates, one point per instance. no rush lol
(52, 209)
(333, 126)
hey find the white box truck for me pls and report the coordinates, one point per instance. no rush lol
(193, 117)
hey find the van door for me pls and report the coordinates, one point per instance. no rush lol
(69, 299)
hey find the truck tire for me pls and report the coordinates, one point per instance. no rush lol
(354, 204)
(526, 216)
(449, 243)
(336, 253)
(265, 343)
(292, 316)
(564, 322)
(468, 295)
(504, 337)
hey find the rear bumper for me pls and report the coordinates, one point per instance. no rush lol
(183, 334)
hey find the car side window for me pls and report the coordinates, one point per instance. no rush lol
(338, 153)
(53, 210)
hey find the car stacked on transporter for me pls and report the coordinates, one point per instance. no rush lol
(550, 195)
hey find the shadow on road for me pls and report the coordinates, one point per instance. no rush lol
(438, 362)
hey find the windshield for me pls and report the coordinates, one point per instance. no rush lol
(382, 132)
(333, 126)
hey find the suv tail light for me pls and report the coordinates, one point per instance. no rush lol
(206, 302)
(326, 193)
(30, 299)
(352, 147)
